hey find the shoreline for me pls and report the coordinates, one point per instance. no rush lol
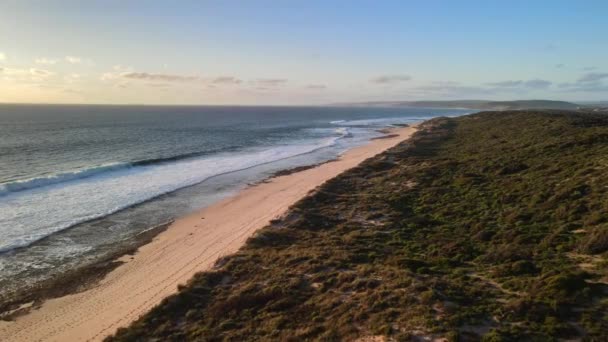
(137, 282)
(74, 281)
(86, 276)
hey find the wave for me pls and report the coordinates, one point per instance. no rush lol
(152, 161)
(344, 132)
(37, 182)
(380, 122)
(36, 216)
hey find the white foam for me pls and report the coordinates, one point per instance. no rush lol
(382, 122)
(344, 132)
(37, 182)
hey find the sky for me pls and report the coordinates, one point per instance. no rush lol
(284, 52)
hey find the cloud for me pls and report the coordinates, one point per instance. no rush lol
(590, 87)
(121, 73)
(72, 91)
(28, 72)
(45, 61)
(40, 72)
(390, 79)
(589, 68)
(158, 85)
(227, 80)
(446, 83)
(71, 78)
(538, 84)
(2, 56)
(26, 75)
(158, 77)
(533, 84)
(454, 90)
(592, 77)
(73, 59)
(107, 76)
(316, 86)
(118, 70)
(589, 82)
(270, 82)
(560, 66)
(505, 84)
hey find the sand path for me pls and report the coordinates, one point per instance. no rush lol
(190, 245)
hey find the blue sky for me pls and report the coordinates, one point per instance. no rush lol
(301, 52)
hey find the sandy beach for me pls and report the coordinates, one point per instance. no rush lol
(191, 244)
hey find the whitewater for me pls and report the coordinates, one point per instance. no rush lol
(35, 208)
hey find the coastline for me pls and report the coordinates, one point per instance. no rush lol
(76, 280)
(189, 245)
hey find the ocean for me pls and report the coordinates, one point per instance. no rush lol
(79, 182)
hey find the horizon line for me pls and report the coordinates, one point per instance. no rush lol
(335, 104)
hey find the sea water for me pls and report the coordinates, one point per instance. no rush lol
(77, 182)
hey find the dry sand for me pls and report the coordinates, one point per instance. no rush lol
(190, 245)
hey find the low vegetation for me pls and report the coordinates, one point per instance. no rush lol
(489, 227)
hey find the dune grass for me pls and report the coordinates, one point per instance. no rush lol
(490, 227)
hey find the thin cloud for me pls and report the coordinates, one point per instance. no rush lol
(71, 78)
(45, 61)
(316, 86)
(158, 85)
(510, 84)
(159, 77)
(72, 91)
(122, 73)
(589, 82)
(27, 75)
(454, 90)
(73, 59)
(30, 72)
(270, 82)
(538, 84)
(390, 79)
(107, 76)
(446, 83)
(592, 77)
(590, 87)
(505, 84)
(226, 80)
(40, 72)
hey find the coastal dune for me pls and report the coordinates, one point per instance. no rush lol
(191, 244)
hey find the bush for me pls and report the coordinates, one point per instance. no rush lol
(596, 241)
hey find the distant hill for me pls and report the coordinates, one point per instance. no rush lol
(473, 104)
